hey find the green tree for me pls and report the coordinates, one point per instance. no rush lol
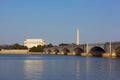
(39, 48)
(15, 46)
(63, 44)
(49, 45)
(23, 47)
(18, 46)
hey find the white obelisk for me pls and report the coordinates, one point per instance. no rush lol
(78, 37)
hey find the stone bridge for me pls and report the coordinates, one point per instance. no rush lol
(106, 49)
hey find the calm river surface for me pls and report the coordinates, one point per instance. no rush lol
(56, 67)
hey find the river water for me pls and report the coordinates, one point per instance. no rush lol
(56, 67)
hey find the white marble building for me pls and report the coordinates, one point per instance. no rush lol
(34, 42)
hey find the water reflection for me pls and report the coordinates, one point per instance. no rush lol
(115, 69)
(33, 69)
(96, 69)
(64, 68)
(77, 70)
(51, 70)
(81, 69)
(11, 70)
(102, 69)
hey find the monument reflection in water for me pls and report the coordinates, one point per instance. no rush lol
(54, 67)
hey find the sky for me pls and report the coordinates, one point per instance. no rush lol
(56, 21)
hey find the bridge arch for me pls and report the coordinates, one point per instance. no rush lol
(97, 51)
(65, 51)
(78, 51)
(49, 51)
(117, 51)
(56, 51)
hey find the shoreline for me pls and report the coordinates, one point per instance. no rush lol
(23, 53)
(14, 51)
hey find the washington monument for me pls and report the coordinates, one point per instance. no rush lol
(78, 37)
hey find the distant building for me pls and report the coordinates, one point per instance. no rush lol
(34, 42)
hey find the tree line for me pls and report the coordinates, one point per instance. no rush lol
(13, 46)
(39, 48)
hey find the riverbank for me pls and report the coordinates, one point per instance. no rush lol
(18, 52)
